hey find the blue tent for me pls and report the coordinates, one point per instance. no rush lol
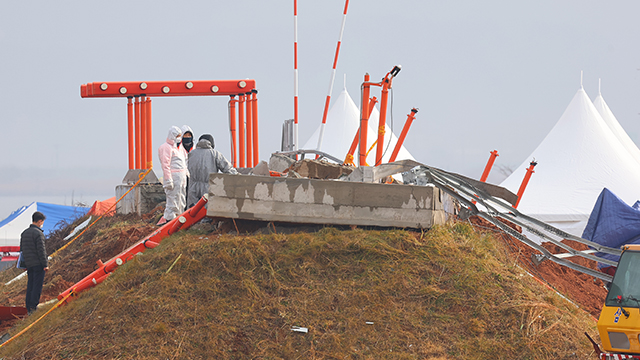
(613, 223)
(19, 220)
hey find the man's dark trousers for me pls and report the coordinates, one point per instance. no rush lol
(35, 281)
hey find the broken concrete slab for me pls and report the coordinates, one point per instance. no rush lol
(320, 169)
(280, 163)
(324, 201)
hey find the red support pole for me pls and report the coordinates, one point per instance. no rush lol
(184, 221)
(254, 105)
(386, 84)
(149, 136)
(249, 128)
(232, 129)
(137, 116)
(348, 160)
(403, 134)
(364, 120)
(487, 169)
(241, 136)
(130, 134)
(525, 181)
(143, 132)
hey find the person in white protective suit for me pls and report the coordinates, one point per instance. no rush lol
(203, 160)
(186, 145)
(173, 162)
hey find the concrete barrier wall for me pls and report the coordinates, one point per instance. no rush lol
(323, 201)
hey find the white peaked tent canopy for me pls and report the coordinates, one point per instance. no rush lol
(579, 157)
(343, 121)
(614, 125)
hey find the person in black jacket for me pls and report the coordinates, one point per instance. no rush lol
(34, 254)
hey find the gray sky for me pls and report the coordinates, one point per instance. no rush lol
(484, 75)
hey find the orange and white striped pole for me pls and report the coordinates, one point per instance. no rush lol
(295, 75)
(333, 75)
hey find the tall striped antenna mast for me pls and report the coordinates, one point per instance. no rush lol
(295, 74)
(333, 76)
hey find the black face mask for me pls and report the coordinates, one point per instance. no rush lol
(187, 142)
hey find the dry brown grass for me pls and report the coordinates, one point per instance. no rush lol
(449, 293)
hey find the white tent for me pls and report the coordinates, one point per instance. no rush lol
(343, 121)
(579, 157)
(614, 125)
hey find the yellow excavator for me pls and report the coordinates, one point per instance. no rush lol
(619, 322)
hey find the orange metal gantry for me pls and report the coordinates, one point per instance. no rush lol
(139, 123)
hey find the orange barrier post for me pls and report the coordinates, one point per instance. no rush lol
(232, 129)
(403, 134)
(348, 160)
(149, 137)
(249, 128)
(487, 168)
(364, 120)
(254, 105)
(525, 181)
(184, 221)
(130, 133)
(386, 85)
(241, 136)
(143, 132)
(137, 116)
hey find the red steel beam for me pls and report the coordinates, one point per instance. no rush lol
(149, 161)
(130, 134)
(254, 116)
(249, 129)
(232, 128)
(138, 131)
(241, 134)
(166, 88)
(143, 132)
(184, 221)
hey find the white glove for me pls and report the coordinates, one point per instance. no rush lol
(168, 185)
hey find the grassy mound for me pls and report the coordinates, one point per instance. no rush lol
(449, 293)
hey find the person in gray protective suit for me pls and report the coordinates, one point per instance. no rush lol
(203, 160)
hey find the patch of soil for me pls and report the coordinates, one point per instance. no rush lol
(587, 292)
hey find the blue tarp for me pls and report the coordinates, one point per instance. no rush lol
(55, 215)
(613, 223)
